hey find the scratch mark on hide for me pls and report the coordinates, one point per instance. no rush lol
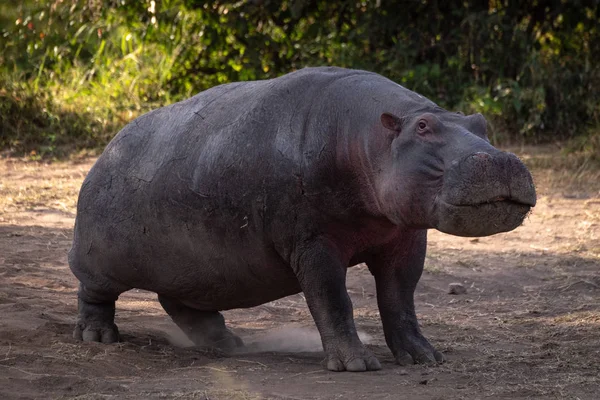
(322, 150)
(200, 194)
(204, 195)
(182, 205)
(300, 182)
(124, 219)
(197, 112)
(175, 159)
(137, 124)
(142, 179)
(264, 208)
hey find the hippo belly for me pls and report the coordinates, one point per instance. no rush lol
(230, 277)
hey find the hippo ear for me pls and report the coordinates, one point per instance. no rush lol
(477, 124)
(391, 122)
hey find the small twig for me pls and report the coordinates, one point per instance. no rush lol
(216, 369)
(305, 373)
(25, 372)
(253, 362)
(198, 367)
(566, 287)
(191, 366)
(180, 369)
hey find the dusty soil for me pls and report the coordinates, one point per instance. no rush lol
(527, 328)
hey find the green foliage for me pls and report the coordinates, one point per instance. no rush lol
(73, 71)
(33, 122)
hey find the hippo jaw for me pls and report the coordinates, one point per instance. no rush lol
(482, 219)
(484, 194)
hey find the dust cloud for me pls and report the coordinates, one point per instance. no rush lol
(177, 338)
(289, 339)
(292, 339)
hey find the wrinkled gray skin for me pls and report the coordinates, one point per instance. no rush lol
(252, 191)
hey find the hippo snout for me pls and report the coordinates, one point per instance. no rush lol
(484, 193)
(483, 177)
(521, 182)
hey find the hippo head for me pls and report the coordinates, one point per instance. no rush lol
(442, 172)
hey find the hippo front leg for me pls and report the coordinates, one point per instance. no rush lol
(397, 269)
(322, 275)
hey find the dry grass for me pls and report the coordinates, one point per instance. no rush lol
(556, 169)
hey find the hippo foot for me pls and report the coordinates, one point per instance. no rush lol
(353, 359)
(204, 328)
(225, 341)
(96, 323)
(94, 332)
(415, 349)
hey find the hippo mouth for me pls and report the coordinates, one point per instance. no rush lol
(500, 200)
(496, 215)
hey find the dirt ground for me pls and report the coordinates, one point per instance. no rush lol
(529, 326)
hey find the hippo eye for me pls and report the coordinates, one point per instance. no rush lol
(422, 125)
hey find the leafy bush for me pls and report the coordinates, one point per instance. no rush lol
(73, 71)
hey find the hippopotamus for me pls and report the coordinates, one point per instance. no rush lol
(252, 191)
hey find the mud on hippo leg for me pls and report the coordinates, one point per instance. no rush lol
(96, 319)
(397, 270)
(204, 328)
(322, 277)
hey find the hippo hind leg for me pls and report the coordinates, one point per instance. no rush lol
(204, 328)
(96, 319)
